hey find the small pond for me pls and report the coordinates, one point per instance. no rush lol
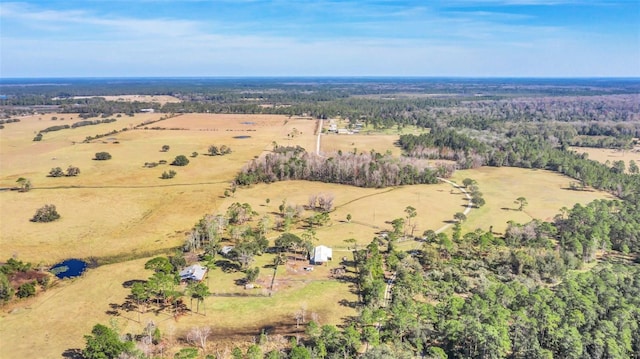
(69, 268)
(241, 137)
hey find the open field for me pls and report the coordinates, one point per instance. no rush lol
(360, 143)
(371, 208)
(56, 320)
(119, 207)
(546, 192)
(603, 155)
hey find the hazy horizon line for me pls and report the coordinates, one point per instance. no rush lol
(318, 77)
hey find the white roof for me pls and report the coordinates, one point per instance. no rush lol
(322, 254)
(226, 249)
(194, 272)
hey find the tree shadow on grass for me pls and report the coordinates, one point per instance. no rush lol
(115, 309)
(227, 266)
(130, 283)
(348, 303)
(74, 353)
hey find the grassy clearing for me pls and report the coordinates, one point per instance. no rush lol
(603, 155)
(360, 143)
(371, 208)
(160, 99)
(56, 320)
(546, 192)
(60, 317)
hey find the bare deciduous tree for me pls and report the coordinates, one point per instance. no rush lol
(199, 336)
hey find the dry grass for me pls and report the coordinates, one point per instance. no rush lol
(119, 207)
(371, 208)
(57, 319)
(546, 192)
(603, 155)
(359, 143)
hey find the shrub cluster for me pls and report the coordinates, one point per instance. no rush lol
(180, 160)
(48, 213)
(219, 151)
(168, 175)
(55, 128)
(89, 123)
(72, 171)
(10, 120)
(102, 156)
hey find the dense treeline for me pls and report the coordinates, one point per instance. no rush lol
(520, 151)
(589, 315)
(90, 123)
(256, 87)
(600, 225)
(363, 170)
(575, 112)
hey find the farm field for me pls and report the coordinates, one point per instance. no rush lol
(130, 208)
(118, 207)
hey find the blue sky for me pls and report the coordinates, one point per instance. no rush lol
(484, 38)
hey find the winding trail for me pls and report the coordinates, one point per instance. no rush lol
(466, 210)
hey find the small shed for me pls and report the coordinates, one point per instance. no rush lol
(321, 254)
(195, 272)
(226, 250)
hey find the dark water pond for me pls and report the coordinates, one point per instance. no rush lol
(69, 268)
(241, 137)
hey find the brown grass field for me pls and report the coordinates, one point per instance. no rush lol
(546, 192)
(603, 155)
(118, 205)
(118, 208)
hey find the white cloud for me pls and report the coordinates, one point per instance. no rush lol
(63, 19)
(427, 44)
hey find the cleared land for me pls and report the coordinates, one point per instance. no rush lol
(546, 192)
(120, 208)
(603, 155)
(118, 205)
(61, 316)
